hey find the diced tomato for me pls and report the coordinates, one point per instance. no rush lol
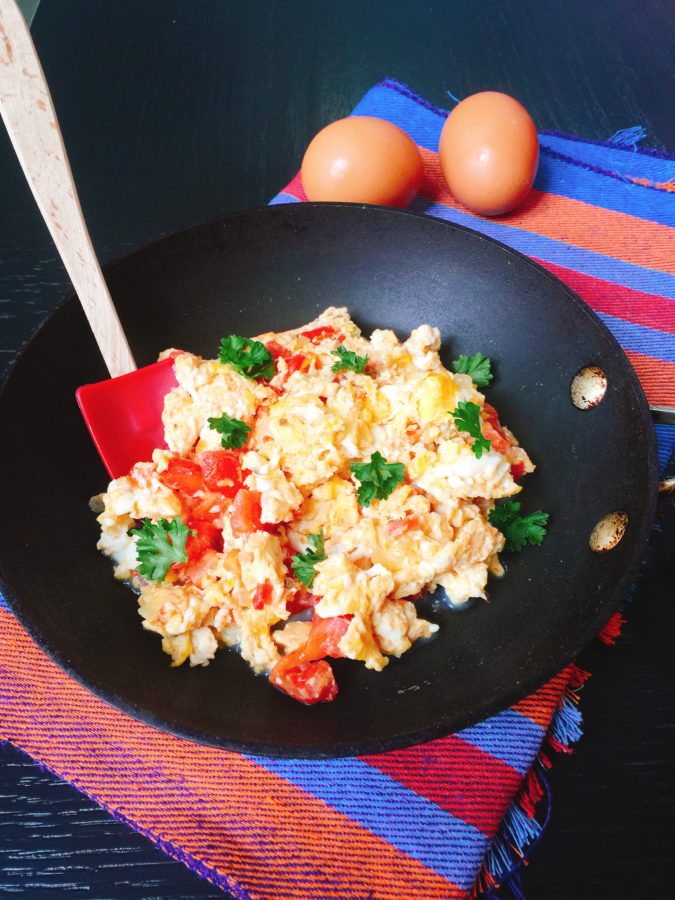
(296, 362)
(263, 595)
(304, 674)
(517, 470)
(275, 348)
(201, 547)
(301, 599)
(245, 512)
(299, 363)
(308, 682)
(397, 527)
(325, 636)
(278, 351)
(183, 475)
(221, 471)
(196, 566)
(206, 507)
(318, 334)
(206, 533)
(493, 431)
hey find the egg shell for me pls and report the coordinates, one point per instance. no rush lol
(362, 159)
(488, 153)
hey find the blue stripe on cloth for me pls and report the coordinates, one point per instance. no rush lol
(618, 159)
(396, 814)
(611, 269)
(567, 179)
(554, 175)
(640, 338)
(3, 604)
(665, 441)
(422, 124)
(283, 198)
(508, 736)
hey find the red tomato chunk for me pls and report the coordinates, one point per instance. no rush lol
(517, 471)
(325, 636)
(296, 362)
(308, 682)
(263, 595)
(493, 431)
(221, 471)
(323, 331)
(245, 512)
(301, 599)
(183, 475)
(304, 674)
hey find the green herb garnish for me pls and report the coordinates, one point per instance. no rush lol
(347, 359)
(248, 357)
(377, 478)
(234, 432)
(159, 546)
(467, 418)
(477, 366)
(518, 530)
(303, 563)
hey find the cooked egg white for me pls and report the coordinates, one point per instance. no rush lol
(307, 425)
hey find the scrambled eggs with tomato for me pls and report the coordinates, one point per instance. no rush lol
(305, 501)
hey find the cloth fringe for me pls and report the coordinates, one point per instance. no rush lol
(628, 137)
(520, 830)
(610, 633)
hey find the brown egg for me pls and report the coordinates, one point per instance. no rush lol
(362, 159)
(489, 152)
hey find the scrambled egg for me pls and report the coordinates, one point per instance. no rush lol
(307, 424)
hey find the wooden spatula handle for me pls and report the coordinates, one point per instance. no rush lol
(28, 113)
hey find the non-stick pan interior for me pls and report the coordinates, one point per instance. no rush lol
(277, 268)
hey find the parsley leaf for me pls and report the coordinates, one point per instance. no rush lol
(518, 530)
(234, 432)
(159, 546)
(347, 359)
(467, 418)
(477, 366)
(377, 478)
(248, 357)
(303, 563)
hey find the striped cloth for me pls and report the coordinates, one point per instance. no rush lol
(425, 821)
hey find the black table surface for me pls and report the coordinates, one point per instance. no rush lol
(179, 111)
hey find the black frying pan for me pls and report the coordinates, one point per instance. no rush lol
(272, 269)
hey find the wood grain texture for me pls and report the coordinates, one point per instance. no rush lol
(176, 112)
(29, 117)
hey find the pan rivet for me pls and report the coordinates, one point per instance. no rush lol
(588, 387)
(608, 532)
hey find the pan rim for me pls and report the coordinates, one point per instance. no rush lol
(445, 725)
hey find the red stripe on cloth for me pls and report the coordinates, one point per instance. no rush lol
(656, 376)
(219, 808)
(296, 189)
(650, 310)
(593, 228)
(462, 779)
(541, 705)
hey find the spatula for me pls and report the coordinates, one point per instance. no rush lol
(123, 413)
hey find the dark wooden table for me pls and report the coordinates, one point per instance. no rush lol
(178, 111)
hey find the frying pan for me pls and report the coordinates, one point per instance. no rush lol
(276, 268)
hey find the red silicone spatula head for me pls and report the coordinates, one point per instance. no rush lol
(124, 414)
